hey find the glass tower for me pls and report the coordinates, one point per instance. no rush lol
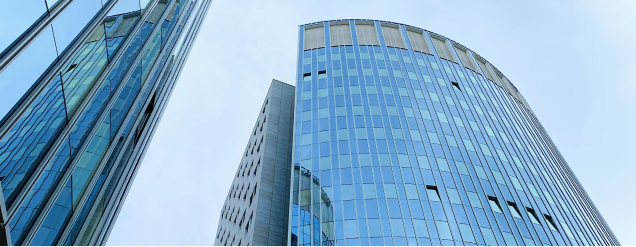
(410, 138)
(83, 85)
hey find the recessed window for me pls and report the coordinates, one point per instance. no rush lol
(432, 192)
(551, 223)
(247, 226)
(494, 204)
(533, 216)
(253, 194)
(322, 74)
(71, 67)
(242, 219)
(456, 85)
(514, 210)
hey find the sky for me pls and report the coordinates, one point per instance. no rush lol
(572, 60)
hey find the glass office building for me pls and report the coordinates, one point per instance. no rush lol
(411, 138)
(83, 85)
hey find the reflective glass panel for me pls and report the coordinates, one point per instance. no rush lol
(19, 76)
(16, 17)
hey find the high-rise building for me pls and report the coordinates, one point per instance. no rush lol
(83, 85)
(256, 210)
(405, 137)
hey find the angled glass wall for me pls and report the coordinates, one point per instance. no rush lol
(417, 140)
(81, 92)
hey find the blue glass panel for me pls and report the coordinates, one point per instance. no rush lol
(59, 214)
(118, 23)
(23, 72)
(30, 137)
(16, 17)
(72, 20)
(77, 76)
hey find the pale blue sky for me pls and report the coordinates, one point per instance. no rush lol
(572, 60)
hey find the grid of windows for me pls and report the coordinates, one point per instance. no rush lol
(410, 148)
(256, 209)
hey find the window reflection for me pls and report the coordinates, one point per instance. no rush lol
(16, 17)
(20, 75)
(322, 213)
(70, 23)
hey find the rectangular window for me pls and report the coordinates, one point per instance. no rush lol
(458, 121)
(533, 190)
(442, 117)
(494, 204)
(453, 196)
(449, 100)
(515, 183)
(498, 177)
(533, 216)
(474, 199)
(551, 223)
(432, 192)
(514, 210)
(322, 74)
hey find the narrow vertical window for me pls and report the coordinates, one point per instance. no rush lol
(551, 223)
(432, 192)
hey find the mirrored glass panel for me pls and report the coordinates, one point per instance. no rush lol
(75, 17)
(16, 17)
(21, 74)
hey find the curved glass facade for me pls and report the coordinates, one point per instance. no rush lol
(413, 139)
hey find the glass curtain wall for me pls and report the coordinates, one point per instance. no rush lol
(69, 128)
(416, 149)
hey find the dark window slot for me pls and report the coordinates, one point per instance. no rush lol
(456, 85)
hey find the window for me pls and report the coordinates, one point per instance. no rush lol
(456, 85)
(494, 204)
(245, 195)
(551, 223)
(242, 219)
(256, 168)
(322, 72)
(533, 216)
(253, 194)
(473, 198)
(453, 196)
(432, 192)
(514, 210)
(249, 221)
